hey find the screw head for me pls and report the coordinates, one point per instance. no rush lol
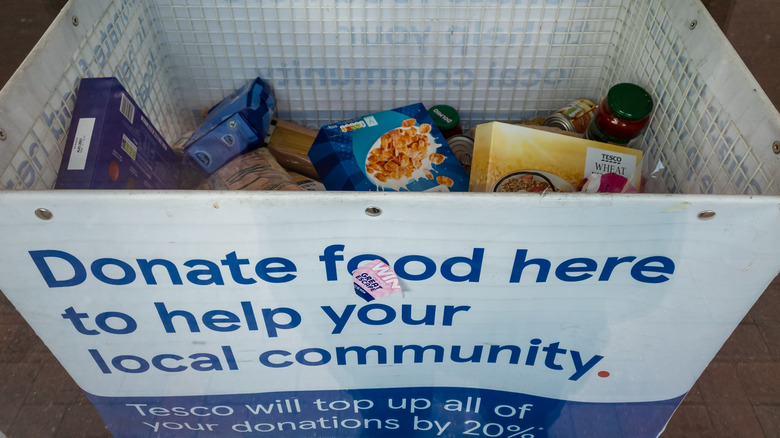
(44, 214)
(373, 211)
(3, 135)
(693, 24)
(706, 215)
(74, 20)
(776, 147)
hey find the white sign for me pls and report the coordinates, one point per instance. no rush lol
(221, 314)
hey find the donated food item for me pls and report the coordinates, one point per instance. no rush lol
(622, 115)
(290, 144)
(254, 170)
(396, 150)
(509, 158)
(112, 144)
(447, 119)
(539, 126)
(306, 183)
(556, 130)
(463, 148)
(237, 124)
(574, 117)
(607, 183)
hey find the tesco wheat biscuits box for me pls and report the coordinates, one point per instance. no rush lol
(112, 144)
(515, 158)
(395, 150)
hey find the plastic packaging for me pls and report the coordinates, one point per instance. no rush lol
(255, 170)
(237, 124)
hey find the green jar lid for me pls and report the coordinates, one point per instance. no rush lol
(629, 101)
(445, 117)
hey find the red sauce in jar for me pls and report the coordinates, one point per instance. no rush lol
(622, 114)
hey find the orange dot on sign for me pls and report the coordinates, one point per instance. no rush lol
(113, 170)
(603, 373)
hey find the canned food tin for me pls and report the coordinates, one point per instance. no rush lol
(575, 117)
(463, 148)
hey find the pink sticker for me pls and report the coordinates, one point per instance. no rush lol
(375, 280)
(607, 183)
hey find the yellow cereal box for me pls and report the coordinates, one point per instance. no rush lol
(511, 158)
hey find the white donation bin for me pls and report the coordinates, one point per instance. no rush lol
(230, 314)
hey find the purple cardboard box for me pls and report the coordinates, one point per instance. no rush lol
(112, 145)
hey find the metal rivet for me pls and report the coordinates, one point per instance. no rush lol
(44, 214)
(776, 147)
(75, 20)
(3, 135)
(706, 215)
(373, 211)
(693, 24)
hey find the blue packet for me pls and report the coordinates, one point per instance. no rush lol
(237, 124)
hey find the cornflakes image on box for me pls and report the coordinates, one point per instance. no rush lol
(396, 150)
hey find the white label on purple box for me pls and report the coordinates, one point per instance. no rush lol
(78, 153)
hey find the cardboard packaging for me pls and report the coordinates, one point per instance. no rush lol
(395, 150)
(112, 144)
(509, 158)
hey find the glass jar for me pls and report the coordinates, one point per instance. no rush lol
(446, 119)
(622, 115)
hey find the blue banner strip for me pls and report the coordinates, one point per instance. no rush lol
(407, 412)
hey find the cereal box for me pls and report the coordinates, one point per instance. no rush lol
(112, 144)
(512, 158)
(396, 150)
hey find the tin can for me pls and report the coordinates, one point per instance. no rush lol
(574, 117)
(463, 148)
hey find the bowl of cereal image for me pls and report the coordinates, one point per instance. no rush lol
(532, 181)
(403, 155)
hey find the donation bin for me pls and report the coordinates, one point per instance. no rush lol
(229, 314)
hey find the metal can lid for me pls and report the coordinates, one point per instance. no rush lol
(560, 121)
(444, 116)
(629, 101)
(463, 148)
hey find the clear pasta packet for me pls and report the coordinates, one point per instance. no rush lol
(254, 170)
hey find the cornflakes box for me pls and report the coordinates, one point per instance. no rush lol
(395, 150)
(515, 158)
